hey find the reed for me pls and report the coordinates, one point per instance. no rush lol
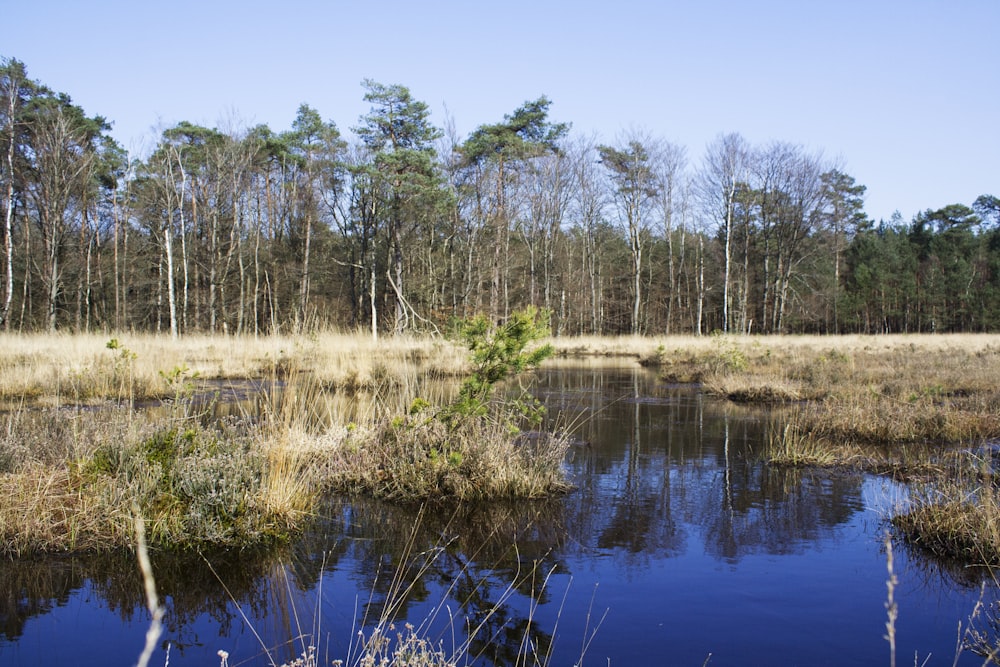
(957, 517)
(788, 445)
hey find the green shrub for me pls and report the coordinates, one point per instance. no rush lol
(194, 486)
(499, 352)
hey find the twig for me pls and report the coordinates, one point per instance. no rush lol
(152, 600)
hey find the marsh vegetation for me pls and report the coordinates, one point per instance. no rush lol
(923, 409)
(77, 454)
(75, 475)
(425, 421)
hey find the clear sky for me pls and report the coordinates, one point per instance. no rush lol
(904, 93)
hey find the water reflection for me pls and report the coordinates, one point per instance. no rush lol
(674, 525)
(662, 459)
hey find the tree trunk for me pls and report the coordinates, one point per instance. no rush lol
(701, 285)
(184, 253)
(116, 267)
(168, 234)
(53, 292)
(9, 212)
(304, 280)
(371, 295)
(636, 280)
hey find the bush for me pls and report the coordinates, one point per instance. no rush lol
(499, 352)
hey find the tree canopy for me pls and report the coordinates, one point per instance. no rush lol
(399, 226)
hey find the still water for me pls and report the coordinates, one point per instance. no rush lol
(676, 547)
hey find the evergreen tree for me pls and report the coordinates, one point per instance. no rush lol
(398, 133)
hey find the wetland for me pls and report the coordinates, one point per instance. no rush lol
(677, 540)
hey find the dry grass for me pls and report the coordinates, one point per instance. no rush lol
(228, 484)
(81, 368)
(787, 445)
(957, 517)
(69, 476)
(671, 347)
(883, 403)
(420, 458)
(854, 389)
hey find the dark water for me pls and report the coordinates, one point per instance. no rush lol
(676, 547)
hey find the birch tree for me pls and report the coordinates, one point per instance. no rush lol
(62, 139)
(723, 171)
(317, 147)
(670, 165)
(15, 90)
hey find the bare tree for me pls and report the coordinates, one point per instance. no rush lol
(722, 173)
(64, 161)
(15, 88)
(671, 162)
(588, 213)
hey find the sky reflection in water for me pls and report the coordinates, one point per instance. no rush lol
(676, 536)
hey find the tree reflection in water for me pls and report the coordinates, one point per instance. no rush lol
(487, 563)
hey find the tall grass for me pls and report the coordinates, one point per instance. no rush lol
(956, 515)
(61, 368)
(70, 475)
(195, 485)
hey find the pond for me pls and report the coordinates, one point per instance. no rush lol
(676, 547)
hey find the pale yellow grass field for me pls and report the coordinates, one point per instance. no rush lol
(641, 346)
(49, 368)
(46, 367)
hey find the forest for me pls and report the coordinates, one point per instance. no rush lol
(402, 226)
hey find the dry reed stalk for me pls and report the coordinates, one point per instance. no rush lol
(156, 610)
(891, 607)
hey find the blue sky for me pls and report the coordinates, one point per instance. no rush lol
(905, 94)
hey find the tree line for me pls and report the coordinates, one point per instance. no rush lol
(406, 226)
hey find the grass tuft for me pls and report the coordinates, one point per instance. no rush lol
(419, 457)
(957, 518)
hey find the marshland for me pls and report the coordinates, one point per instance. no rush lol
(610, 496)
(464, 482)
